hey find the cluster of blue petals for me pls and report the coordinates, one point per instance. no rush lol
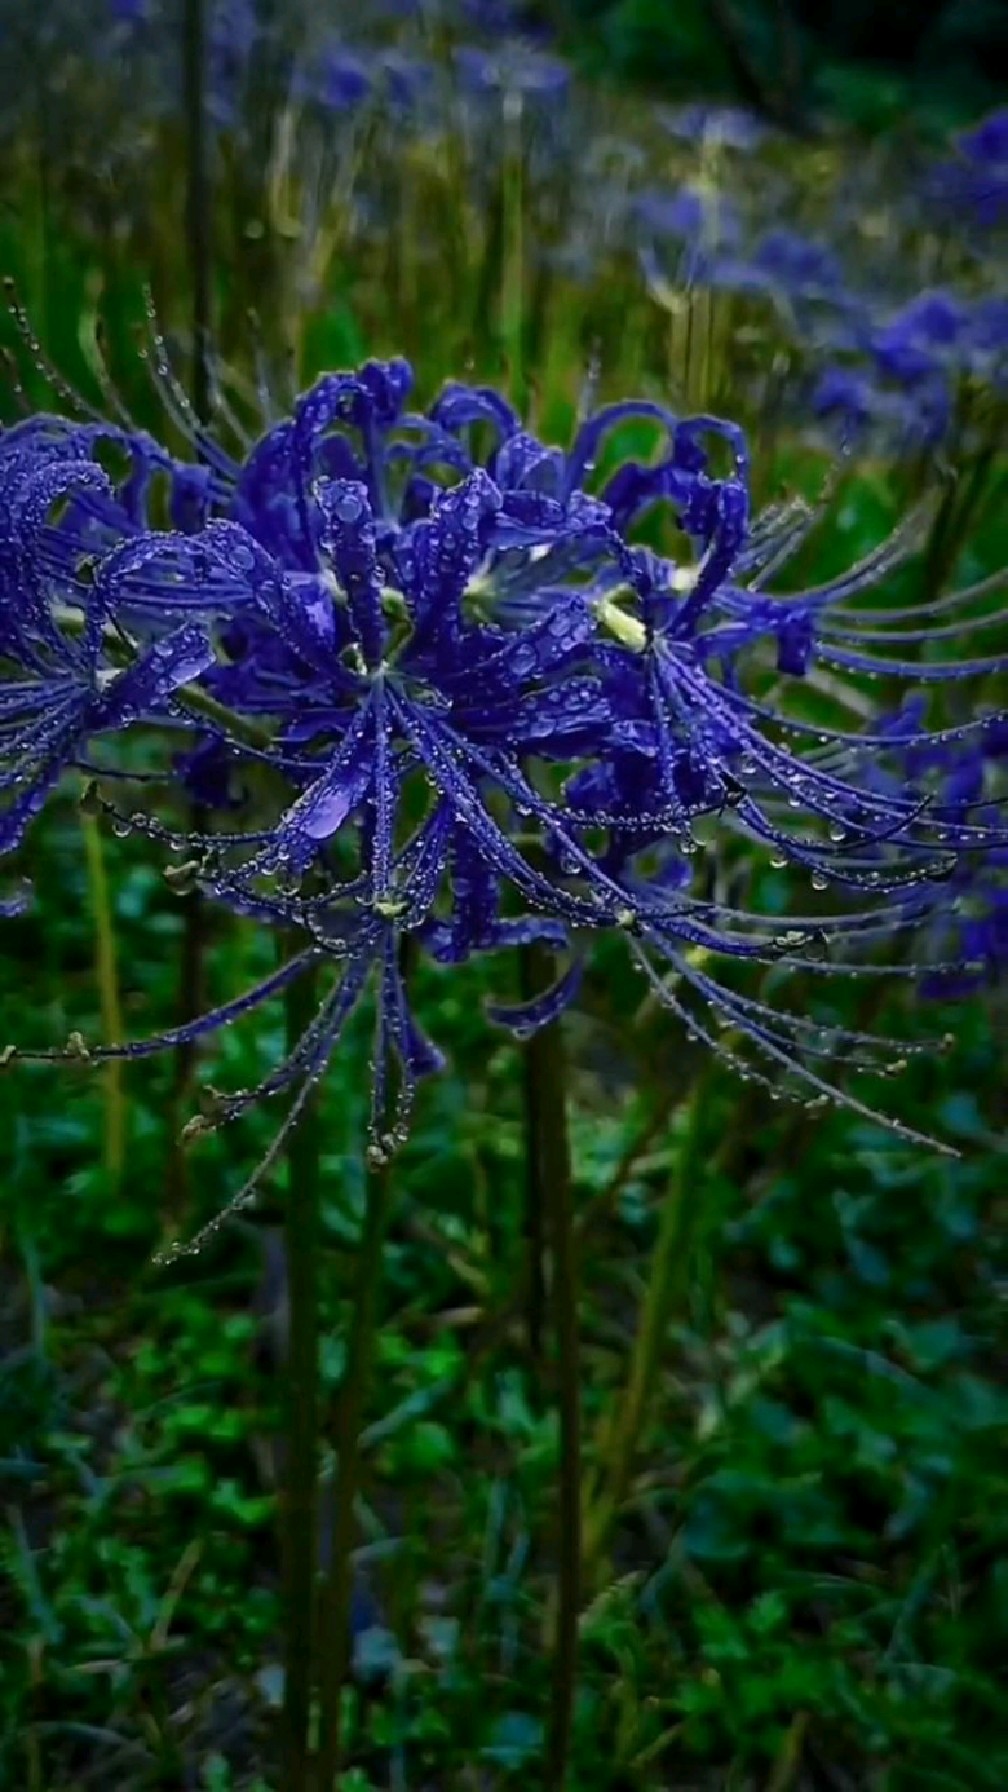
(477, 713)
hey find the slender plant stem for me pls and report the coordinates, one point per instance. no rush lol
(546, 1068)
(198, 235)
(512, 320)
(950, 527)
(106, 964)
(189, 1002)
(40, 238)
(787, 1765)
(301, 1494)
(334, 1625)
(487, 284)
(199, 201)
(605, 1199)
(535, 1195)
(621, 1430)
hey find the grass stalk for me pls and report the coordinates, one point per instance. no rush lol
(951, 526)
(512, 313)
(334, 1619)
(189, 1001)
(300, 1511)
(535, 1194)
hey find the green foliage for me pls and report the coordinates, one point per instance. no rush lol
(673, 48)
(810, 1557)
(798, 60)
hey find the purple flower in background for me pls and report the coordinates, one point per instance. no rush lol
(147, 34)
(730, 127)
(909, 368)
(514, 69)
(973, 189)
(701, 218)
(797, 267)
(802, 276)
(986, 143)
(232, 35)
(492, 15)
(408, 83)
(336, 79)
(869, 413)
(922, 338)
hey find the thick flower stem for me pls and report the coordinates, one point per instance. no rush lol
(621, 1430)
(547, 1073)
(334, 1622)
(300, 1525)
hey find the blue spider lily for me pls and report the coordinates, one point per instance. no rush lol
(482, 713)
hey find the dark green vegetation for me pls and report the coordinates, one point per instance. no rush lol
(794, 1497)
(939, 58)
(805, 1583)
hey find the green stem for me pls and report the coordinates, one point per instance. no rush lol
(114, 1144)
(788, 1763)
(198, 199)
(488, 282)
(951, 525)
(536, 1121)
(513, 270)
(40, 238)
(198, 242)
(301, 1501)
(334, 1623)
(621, 1430)
(189, 1003)
(547, 1068)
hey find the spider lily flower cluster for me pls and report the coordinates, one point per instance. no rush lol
(897, 335)
(904, 375)
(890, 374)
(477, 711)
